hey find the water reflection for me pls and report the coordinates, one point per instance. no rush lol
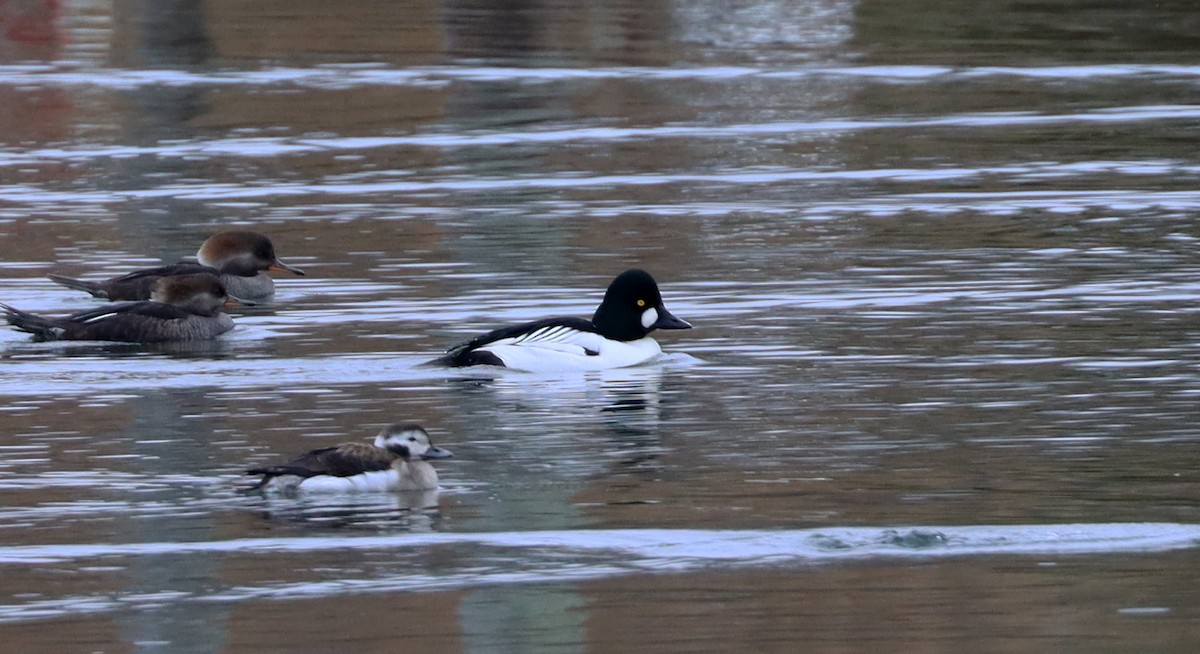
(102, 351)
(584, 423)
(635, 390)
(518, 620)
(415, 511)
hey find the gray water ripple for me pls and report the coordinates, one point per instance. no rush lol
(1058, 201)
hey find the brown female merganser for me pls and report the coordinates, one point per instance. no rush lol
(181, 308)
(240, 259)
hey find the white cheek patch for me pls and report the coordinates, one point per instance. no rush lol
(649, 317)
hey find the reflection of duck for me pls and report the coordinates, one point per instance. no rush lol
(615, 337)
(415, 511)
(571, 426)
(181, 308)
(620, 393)
(240, 259)
(396, 461)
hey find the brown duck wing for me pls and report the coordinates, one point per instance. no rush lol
(338, 461)
(343, 460)
(137, 322)
(139, 284)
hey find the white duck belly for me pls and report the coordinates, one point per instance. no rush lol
(365, 482)
(409, 476)
(541, 356)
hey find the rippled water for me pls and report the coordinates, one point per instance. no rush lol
(941, 261)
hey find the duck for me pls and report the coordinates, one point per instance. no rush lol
(398, 460)
(617, 335)
(239, 258)
(181, 308)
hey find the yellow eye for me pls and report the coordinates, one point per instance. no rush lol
(641, 303)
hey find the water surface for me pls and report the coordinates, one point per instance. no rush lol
(941, 263)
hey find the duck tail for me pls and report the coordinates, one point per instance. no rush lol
(93, 288)
(270, 473)
(449, 359)
(42, 328)
(463, 355)
(267, 476)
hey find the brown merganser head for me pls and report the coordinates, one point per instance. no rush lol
(242, 253)
(200, 293)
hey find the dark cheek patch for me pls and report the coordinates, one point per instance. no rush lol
(591, 353)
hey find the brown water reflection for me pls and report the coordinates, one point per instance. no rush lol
(940, 260)
(1013, 603)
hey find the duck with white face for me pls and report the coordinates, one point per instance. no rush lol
(240, 259)
(182, 308)
(618, 335)
(398, 460)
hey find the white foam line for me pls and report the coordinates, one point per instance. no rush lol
(274, 147)
(32, 194)
(701, 545)
(346, 77)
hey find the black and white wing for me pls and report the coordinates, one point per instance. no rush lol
(566, 336)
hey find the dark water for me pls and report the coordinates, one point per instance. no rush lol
(941, 260)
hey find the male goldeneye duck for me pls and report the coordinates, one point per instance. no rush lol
(240, 259)
(181, 308)
(397, 461)
(617, 335)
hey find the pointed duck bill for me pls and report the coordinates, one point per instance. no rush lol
(437, 453)
(231, 301)
(668, 321)
(279, 266)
